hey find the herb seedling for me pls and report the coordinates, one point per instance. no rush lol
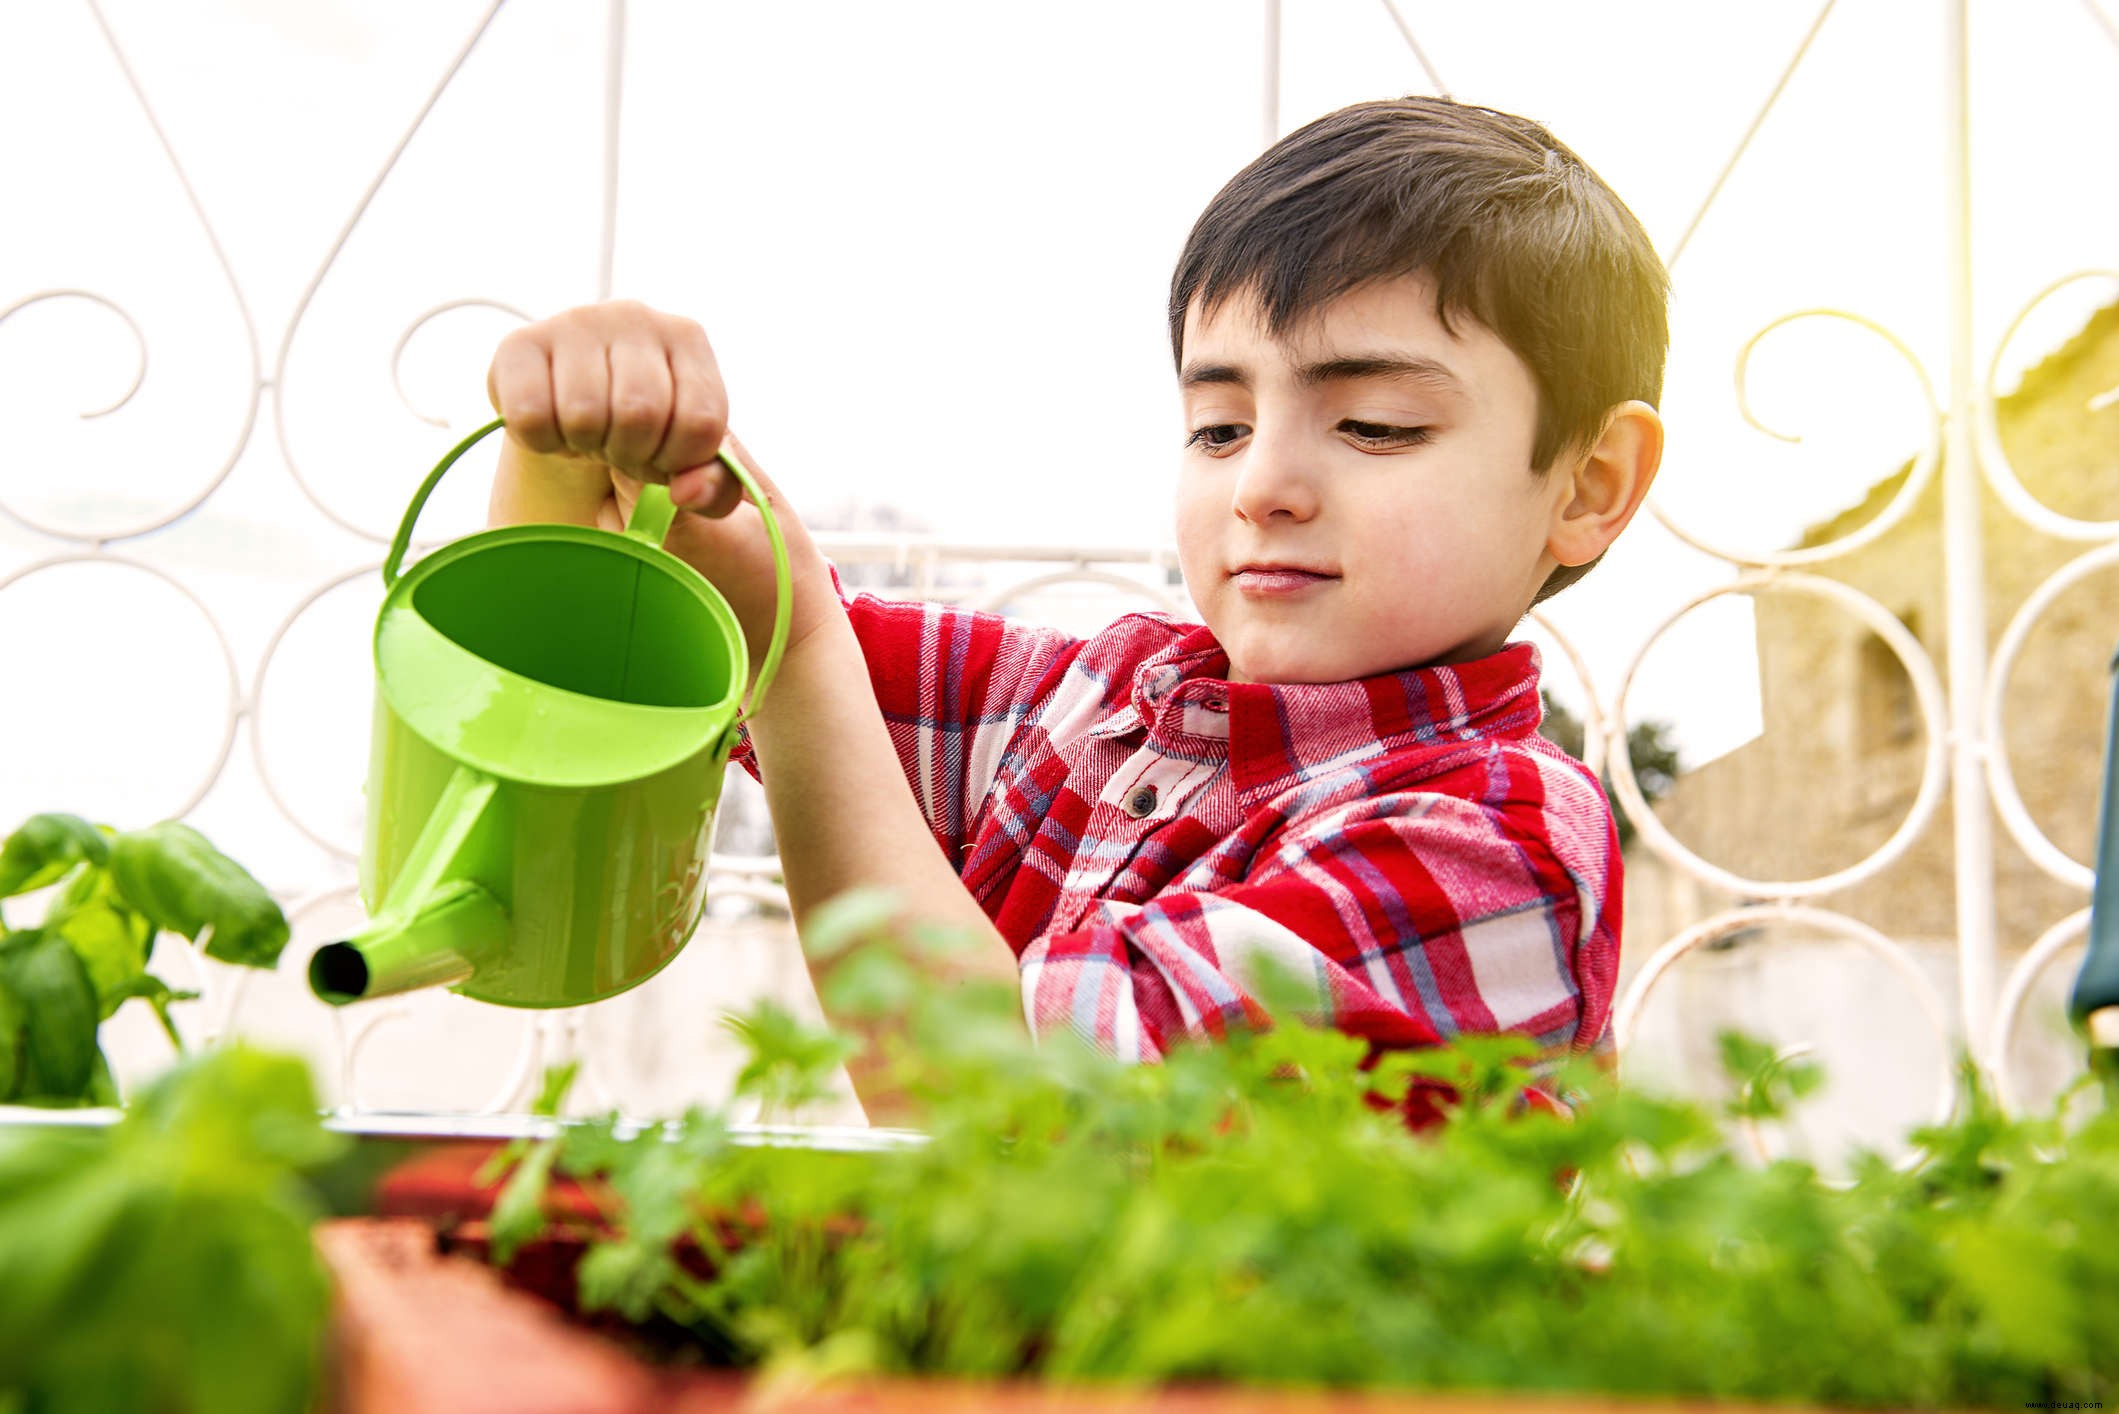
(1248, 1211)
(164, 1263)
(60, 980)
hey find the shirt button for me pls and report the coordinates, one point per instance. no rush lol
(1141, 802)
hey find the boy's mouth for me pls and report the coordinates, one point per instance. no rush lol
(1273, 581)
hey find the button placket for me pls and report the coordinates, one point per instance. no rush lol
(1154, 787)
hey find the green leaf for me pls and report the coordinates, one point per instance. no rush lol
(589, 1146)
(1768, 1084)
(158, 996)
(14, 1022)
(518, 1214)
(58, 1002)
(791, 1063)
(102, 1085)
(2024, 1289)
(551, 1094)
(166, 1263)
(63, 1228)
(656, 1180)
(873, 979)
(941, 941)
(625, 1276)
(154, 990)
(112, 938)
(170, 873)
(558, 1080)
(849, 918)
(255, 1110)
(44, 848)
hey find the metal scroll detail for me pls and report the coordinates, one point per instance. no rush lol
(1965, 757)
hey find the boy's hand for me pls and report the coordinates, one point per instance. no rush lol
(603, 399)
(617, 386)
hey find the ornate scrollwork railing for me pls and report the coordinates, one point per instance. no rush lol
(1964, 759)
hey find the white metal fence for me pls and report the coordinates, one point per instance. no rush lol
(656, 1049)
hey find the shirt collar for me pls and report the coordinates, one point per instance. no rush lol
(1282, 733)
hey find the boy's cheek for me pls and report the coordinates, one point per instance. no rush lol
(1197, 555)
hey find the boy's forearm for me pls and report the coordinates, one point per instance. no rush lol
(529, 488)
(842, 809)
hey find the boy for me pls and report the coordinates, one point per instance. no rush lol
(1418, 347)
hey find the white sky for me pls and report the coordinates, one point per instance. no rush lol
(931, 243)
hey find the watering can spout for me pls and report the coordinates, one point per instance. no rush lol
(440, 921)
(438, 943)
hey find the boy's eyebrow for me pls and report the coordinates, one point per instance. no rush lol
(1431, 372)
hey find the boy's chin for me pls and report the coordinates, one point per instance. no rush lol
(1283, 667)
(1295, 665)
(1288, 655)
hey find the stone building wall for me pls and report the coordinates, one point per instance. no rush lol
(1837, 766)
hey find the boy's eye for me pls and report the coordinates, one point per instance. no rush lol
(1211, 437)
(1383, 434)
(1376, 434)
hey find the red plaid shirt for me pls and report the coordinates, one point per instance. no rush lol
(1145, 833)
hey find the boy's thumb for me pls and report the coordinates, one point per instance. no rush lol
(774, 497)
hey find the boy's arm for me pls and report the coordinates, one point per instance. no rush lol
(843, 807)
(953, 685)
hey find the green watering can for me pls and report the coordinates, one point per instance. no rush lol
(554, 709)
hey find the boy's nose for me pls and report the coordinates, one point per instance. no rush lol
(1274, 480)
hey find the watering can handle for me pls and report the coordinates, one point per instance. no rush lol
(650, 521)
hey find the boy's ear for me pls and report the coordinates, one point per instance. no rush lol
(1608, 483)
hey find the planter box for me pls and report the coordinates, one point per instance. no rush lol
(420, 1331)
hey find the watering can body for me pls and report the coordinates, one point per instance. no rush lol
(554, 710)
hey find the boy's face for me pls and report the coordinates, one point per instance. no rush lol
(1359, 499)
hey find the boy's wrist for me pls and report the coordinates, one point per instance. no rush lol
(821, 654)
(536, 487)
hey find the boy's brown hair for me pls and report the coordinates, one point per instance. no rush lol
(1515, 230)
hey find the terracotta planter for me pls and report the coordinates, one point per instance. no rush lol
(421, 1332)
(425, 1324)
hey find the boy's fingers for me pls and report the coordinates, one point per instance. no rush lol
(640, 405)
(700, 417)
(718, 490)
(757, 473)
(520, 387)
(581, 394)
(708, 490)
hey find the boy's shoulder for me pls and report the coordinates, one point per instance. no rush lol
(1490, 771)
(1524, 778)
(1567, 799)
